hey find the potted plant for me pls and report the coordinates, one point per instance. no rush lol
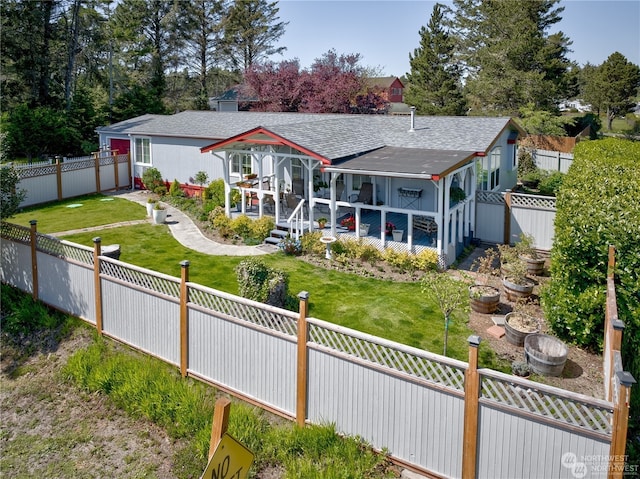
(389, 227)
(484, 297)
(535, 264)
(322, 222)
(520, 368)
(517, 284)
(520, 322)
(364, 229)
(349, 222)
(159, 214)
(151, 202)
(235, 199)
(456, 194)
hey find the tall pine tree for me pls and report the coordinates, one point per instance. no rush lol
(435, 79)
(510, 58)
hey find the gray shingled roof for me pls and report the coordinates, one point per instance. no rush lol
(328, 135)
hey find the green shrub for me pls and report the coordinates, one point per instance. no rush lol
(221, 222)
(401, 260)
(426, 260)
(241, 226)
(598, 206)
(153, 181)
(550, 184)
(261, 228)
(311, 244)
(215, 192)
(526, 163)
(175, 189)
(259, 282)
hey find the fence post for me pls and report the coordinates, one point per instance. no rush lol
(619, 427)
(301, 389)
(59, 177)
(115, 169)
(96, 160)
(507, 217)
(33, 239)
(471, 395)
(96, 282)
(184, 318)
(220, 423)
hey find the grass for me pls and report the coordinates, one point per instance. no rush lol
(96, 210)
(145, 387)
(396, 311)
(150, 390)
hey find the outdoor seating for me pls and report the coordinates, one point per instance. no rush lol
(365, 195)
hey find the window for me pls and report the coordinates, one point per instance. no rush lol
(357, 180)
(241, 164)
(296, 169)
(488, 170)
(143, 150)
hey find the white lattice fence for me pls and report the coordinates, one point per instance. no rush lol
(141, 278)
(245, 310)
(18, 233)
(64, 249)
(533, 201)
(375, 350)
(576, 410)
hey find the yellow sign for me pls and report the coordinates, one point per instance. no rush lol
(231, 460)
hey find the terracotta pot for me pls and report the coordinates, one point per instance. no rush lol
(484, 299)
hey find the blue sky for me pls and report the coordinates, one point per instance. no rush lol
(384, 32)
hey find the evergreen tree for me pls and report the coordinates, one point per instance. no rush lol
(435, 79)
(510, 59)
(612, 86)
(251, 30)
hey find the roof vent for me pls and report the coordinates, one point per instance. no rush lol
(413, 119)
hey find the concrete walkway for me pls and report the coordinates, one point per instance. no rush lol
(183, 230)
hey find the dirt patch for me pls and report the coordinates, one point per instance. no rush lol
(49, 428)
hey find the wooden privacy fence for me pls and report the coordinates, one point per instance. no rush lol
(102, 171)
(503, 217)
(436, 415)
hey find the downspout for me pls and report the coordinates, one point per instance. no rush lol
(133, 180)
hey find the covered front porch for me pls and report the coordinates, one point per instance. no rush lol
(433, 210)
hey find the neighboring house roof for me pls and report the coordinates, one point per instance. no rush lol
(233, 94)
(334, 138)
(384, 82)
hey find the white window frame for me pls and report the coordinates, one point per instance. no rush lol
(242, 164)
(139, 145)
(357, 180)
(491, 164)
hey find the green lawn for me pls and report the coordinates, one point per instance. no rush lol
(392, 310)
(96, 210)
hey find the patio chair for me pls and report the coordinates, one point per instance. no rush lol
(291, 203)
(365, 195)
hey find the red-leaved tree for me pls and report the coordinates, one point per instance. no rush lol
(334, 84)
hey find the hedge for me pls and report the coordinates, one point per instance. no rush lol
(597, 206)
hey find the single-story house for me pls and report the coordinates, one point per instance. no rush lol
(411, 173)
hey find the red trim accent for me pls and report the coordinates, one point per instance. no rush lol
(277, 140)
(435, 177)
(480, 153)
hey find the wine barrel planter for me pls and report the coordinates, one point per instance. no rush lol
(484, 299)
(514, 334)
(515, 291)
(535, 267)
(545, 354)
